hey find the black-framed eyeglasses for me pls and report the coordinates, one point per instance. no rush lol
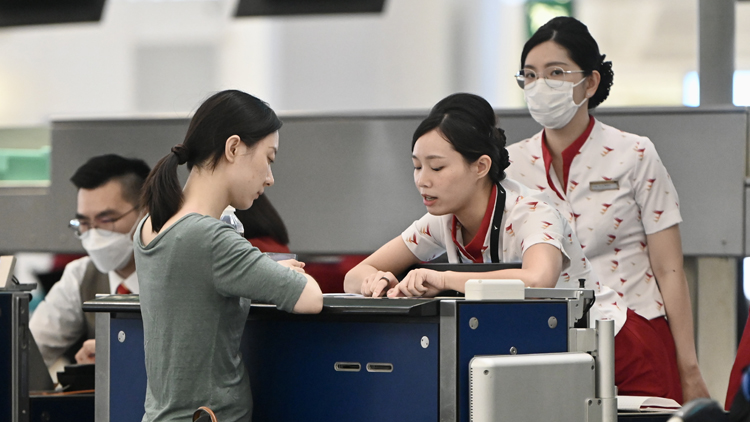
(554, 76)
(107, 224)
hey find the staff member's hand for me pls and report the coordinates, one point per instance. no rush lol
(87, 354)
(420, 282)
(294, 264)
(378, 283)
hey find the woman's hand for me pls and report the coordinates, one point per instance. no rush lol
(420, 282)
(693, 386)
(377, 283)
(293, 264)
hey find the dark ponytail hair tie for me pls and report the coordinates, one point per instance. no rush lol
(181, 152)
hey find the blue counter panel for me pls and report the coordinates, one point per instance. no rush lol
(127, 382)
(501, 326)
(291, 366)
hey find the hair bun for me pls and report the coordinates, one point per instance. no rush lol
(181, 152)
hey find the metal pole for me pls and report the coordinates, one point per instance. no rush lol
(716, 51)
(605, 369)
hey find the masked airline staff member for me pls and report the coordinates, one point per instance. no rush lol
(617, 195)
(109, 189)
(476, 215)
(197, 274)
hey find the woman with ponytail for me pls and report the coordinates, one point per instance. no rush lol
(198, 275)
(618, 197)
(476, 215)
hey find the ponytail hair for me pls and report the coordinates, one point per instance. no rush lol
(467, 122)
(572, 35)
(220, 117)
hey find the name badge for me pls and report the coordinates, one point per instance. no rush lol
(603, 185)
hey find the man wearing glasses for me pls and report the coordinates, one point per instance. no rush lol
(108, 208)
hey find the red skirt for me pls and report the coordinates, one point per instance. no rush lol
(740, 363)
(646, 360)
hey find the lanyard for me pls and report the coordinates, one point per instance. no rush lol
(496, 225)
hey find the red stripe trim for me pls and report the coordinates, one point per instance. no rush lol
(474, 250)
(567, 156)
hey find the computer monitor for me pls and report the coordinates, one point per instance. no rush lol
(7, 264)
(306, 7)
(38, 12)
(39, 377)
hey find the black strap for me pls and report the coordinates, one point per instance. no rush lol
(496, 225)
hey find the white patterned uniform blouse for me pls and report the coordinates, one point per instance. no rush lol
(617, 191)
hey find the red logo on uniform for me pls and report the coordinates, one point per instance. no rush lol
(532, 205)
(649, 277)
(615, 264)
(605, 207)
(661, 305)
(640, 152)
(412, 239)
(606, 178)
(617, 250)
(574, 216)
(611, 238)
(623, 281)
(540, 187)
(657, 215)
(519, 198)
(547, 236)
(643, 245)
(425, 230)
(584, 262)
(545, 224)
(573, 185)
(534, 158)
(606, 151)
(617, 222)
(566, 277)
(509, 229)
(621, 295)
(650, 184)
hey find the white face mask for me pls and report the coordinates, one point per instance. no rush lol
(552, 108)
(108, 250)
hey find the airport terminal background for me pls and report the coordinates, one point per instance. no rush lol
(159, 59)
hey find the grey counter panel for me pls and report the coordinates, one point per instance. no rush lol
(344, 182)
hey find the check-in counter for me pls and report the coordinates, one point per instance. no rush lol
(360, 359)
(364, 359)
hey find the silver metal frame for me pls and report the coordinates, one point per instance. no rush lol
(448, 358)
(20, 361)
(101, 395)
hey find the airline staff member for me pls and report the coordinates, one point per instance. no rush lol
(617, 196)
(108, 206)
(476, 215)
